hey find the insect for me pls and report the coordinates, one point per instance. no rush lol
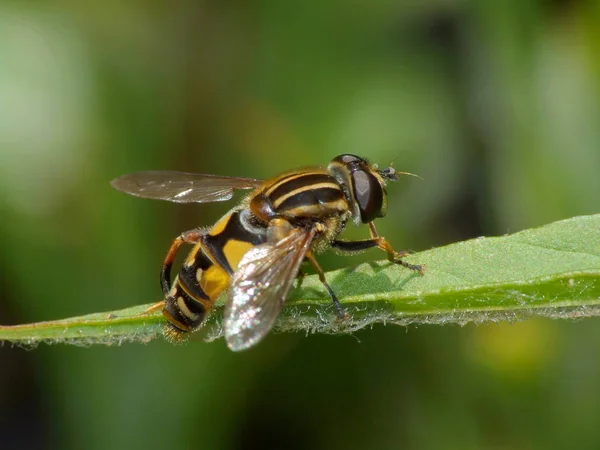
(257, 248)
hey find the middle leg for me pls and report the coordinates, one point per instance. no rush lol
(340, 310)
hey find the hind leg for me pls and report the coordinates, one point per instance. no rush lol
(188, 237)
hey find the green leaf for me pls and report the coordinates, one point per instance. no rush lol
(551, 271)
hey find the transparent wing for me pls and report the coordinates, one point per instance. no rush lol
(260, 286)
(182, 187)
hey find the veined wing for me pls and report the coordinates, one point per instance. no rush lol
(182, 187)
(260, 287)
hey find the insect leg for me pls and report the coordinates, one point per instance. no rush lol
(354, 246)
(155, 307)
(393, 255)
(340, 310)
(188, 237)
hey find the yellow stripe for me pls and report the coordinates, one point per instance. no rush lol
(234, 251)
(284, 179)
(309, 187)
(202, 301)
(191, 258)
(174, 321)
(214, 281)
(185, 310)
(221, 224)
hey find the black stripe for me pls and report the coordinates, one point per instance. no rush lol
(187, 276)
(301, 181)
(233, 230)
(178, 316)
(311, 197)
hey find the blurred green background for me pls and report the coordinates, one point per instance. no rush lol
(495, 104)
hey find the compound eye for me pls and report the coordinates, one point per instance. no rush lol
(368, 193)
(348, 159)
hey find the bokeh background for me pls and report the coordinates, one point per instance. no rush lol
(495, 104)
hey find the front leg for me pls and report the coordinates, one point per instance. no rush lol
(393, 255)
(379, 242)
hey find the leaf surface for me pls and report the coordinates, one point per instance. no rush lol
(551, 271)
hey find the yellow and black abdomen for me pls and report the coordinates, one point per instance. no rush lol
(187, 303)
(207, 270)
(314, 194)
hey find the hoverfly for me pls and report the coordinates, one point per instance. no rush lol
(257, 248)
